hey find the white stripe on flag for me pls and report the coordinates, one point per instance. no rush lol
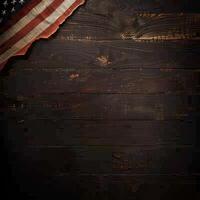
(37, 30)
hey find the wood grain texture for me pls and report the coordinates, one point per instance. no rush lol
(136, 20)
(108, 108)
(102, 81)
(137, 26)
(141, 160)
(104, 106)
(112, 55)
(102, 133)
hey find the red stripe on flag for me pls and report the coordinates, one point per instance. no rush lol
(41, 17)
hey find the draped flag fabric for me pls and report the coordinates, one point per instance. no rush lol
(24, 21)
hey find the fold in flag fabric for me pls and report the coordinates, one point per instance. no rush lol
(24, 21)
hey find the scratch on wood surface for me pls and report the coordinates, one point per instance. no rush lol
(76, 38)
(104, 60)
(74, 76)
(176, 36)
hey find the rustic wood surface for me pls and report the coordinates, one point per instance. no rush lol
(108, 108)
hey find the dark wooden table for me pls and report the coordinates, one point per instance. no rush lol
(108, 108)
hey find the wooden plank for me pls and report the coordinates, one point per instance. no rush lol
(108, 186)
(59, 160)
(121, 187)
(101, 133)
(103, 106)
(21, 82)
(121, 24)
(111, 54)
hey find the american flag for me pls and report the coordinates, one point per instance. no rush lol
(24, 21)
